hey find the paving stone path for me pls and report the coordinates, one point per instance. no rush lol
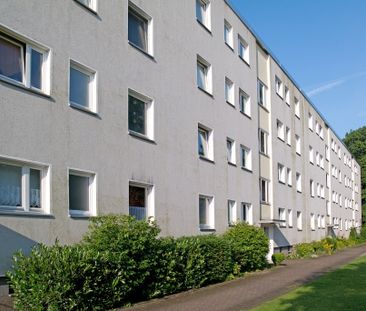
(247, 292)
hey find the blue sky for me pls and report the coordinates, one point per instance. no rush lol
(322, 44)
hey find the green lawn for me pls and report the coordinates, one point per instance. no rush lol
(343, 289)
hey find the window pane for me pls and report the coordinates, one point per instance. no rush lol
(136, 115)
(78, 193)
(137, 202)
(35, 188)
(11, 60)
(36, 69)
(203, 211)
(79, 87)
(137, 30)
(202, 143)
(10, 185)
(201, 76)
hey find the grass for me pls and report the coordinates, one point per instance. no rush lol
(343, 289)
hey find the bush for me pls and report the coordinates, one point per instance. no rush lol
(249, 246)
(278, 258)
(61, 278)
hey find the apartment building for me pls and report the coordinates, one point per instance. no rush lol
(174, 110)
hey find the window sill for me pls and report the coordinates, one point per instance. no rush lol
(244, 61)
(142, 137)
(245, 114)
(207, 230)
(206, 159)
(265, 203)
(290, 227)
(89, 9)
(299, 229)
(264, 154)
(283, 226)
(299, 154)
(25, 214)
(81, 216)
(282, 182)
(281, 139)
(23, 87)
(229, 46)
(204, 26)
(279, 95)
(298, 191)
(297, 116)
(263, 107)
(83, 109)
(289, 185)
(288, 104)
(142, 51)
(204, 91)
(231, 163)
(246, 169)
(231, 104)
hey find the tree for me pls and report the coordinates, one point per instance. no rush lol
(356, 143)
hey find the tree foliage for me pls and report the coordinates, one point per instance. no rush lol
(356, 143)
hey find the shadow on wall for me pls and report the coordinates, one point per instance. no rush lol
(339, 290)
(279, 239)
(10, 242)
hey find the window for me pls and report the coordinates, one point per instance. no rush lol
(140, 114)
(281, 173)
(205, 142)
(282, 217)
(24, 187)
(231, 154)
(287, 96)
(319, 221)
(311, 154)
(288, 136)
(231, 212)
(321, 162)
(280, 130)
(290, 220)
(229, 92)
(228, 34)
(312, 190)
(141, 200)
(263, 142)
(206, 212)
(82, 92)
(297, 107)
(244, 103)
(298, 182)
(262, 94)
(24, 63)
(289, 177)
(247, 213)
(328, 208)
(318, 190)
(246, 158)
(243, 49)
(317, 127)
(327, 180)
(279, 87)
(204, 75)
(327, 153)
(311, 121)
(91, 4)
(82, 193)
(203, 15)
(317, 158)
(312, 221)
(298, 144)
(299, 220)
(264, 191)
(140, 29)
(321, 132)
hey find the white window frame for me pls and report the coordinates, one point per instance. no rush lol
(209, 142)
(149, 32)
(247, 152)
(298, 144)
(92, 176)
(312, 188)
(262, 101)
(244, 103)
(206, 18)
(289, 177)
(282, 217)
(287, 96)
(26, 46)
(311, 122)
(297, 107)
(265, 151)
(298, 182)
(248, 212)
(280, 130)
(281, 173)
(243, 45)
(299, 220)
(45, 185)
(149, 115)
(228, 34)
(229, 92)
(90, 4)
(312, 221)
(92, 87)
(210, 213)
(231, 205)
(265, 182)
(288, 136)
(207, 87)
(231, 153)
(149, 197)
(290, 218)
(311, 155)
(279, 87)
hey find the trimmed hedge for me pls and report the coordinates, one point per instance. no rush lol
(121, 260)
(277, 258)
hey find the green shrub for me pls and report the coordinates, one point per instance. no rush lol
(353, 235)
(61, 278)
(303, 250)
(249, 246)
(278, 258)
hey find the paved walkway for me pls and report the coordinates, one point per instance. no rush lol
(254, 289)
(247, 292)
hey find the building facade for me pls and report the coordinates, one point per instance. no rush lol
(174, 110)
